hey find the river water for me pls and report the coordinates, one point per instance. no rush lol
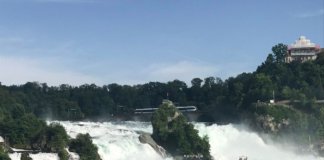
(119, 141)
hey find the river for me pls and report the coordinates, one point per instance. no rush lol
(119, 141)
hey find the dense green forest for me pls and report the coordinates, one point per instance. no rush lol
(235, 99)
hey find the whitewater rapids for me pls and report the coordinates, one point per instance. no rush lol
(119, 141)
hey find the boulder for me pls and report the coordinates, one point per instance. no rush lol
(146, 138)
(268, 124)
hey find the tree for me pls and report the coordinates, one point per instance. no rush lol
(3, 155)
(270, 59)
(176, 90)
(196, 82)
(320, 58)
(84, 147)
(260, 89)
(280, 51)
(209, 82)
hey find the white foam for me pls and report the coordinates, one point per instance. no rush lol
(72, 155)
(119, 141)
(228, 143)
(20, 150)
(115, 141)
(15, 156)
(44, 156)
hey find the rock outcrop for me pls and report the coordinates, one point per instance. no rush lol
(268, 124)
(147, 139)
(172, 131)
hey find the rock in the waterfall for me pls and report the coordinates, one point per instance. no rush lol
(25, 156)
(173, 132)
(268, 124)
(146, 138)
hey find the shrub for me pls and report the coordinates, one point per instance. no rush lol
(84, 147)
(3, 154)
(25, 156)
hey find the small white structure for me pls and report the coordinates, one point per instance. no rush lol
(1, 140)
(302, 50)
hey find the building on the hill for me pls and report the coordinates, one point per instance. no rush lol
(302, 50)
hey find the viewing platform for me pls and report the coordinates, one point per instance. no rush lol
(151, 110)
(144, 114)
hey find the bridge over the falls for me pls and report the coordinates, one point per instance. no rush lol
(151, 110)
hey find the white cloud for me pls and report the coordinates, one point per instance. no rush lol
(25, 59)
(182, 70)
(311, 14)
(19, 70)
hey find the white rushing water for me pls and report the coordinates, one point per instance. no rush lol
(36, 156)
(119, 141)
(15, 156)
(115, 141)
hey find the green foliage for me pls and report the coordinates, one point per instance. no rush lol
(260, 89)
(320, 58)
(172, 131)
(21, 131)
(84, 147)
(270, 59)
(52, 139)
(25, 156)
(301, 125)
(63, 154)
(196, 82)
(3, 155)
(278, 112)
(24, 130)
(280, 51)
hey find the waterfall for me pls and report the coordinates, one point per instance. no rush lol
(119, 141)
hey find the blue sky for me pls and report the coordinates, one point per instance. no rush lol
(137, 41)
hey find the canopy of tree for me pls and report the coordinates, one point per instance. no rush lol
(84, 147)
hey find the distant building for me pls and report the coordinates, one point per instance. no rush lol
(302, 50)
